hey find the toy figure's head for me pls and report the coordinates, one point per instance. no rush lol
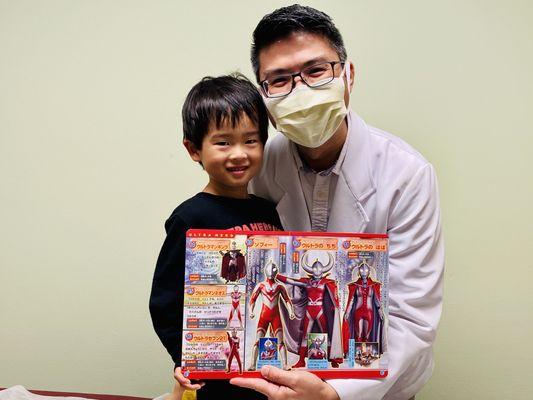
(234, 332)
(317, 270)
(236, 289)
(364, 269)
(271, 269)
(233, 245)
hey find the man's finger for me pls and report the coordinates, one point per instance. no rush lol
(279, 376)
(259, 385)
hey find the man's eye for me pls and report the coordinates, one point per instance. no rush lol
(279, 81)
(316, 71)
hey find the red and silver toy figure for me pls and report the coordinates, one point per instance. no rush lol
(234, 345)
(363, 317)
(317, 309)
(271, 292)
(235, 305)
(233, 264)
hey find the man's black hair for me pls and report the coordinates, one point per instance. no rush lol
(285, 21)
(220, 100)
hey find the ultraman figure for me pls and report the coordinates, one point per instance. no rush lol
(235, 305)
(233, 264)
(363, 317)
(270, 316)
(319, 310)
(234, 345)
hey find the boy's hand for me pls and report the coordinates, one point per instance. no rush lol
(185, 382)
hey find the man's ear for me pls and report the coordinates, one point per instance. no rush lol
(194, 153)
(352, 76)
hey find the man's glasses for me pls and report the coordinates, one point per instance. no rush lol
(313, 76)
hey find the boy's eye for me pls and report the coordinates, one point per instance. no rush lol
(222, 143)
(251, 141)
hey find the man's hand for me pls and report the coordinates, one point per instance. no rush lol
(184, 382)
(288, 385)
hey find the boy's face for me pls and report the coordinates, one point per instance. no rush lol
(231, 156)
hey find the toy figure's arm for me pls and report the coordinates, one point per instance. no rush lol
(349, 304)
(253, 298)
(377, 298)
(288, 301)
(290, 281)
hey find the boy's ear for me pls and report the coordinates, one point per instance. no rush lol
(194, 153)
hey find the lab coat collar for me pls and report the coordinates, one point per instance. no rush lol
(355, 184)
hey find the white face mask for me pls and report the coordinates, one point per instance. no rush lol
(310, 116)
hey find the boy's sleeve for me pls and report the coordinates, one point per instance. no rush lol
(166, 298)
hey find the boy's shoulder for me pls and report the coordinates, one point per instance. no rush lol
(202, 203)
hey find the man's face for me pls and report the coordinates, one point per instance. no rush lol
(297, 51)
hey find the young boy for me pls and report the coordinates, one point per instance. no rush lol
(225, 127)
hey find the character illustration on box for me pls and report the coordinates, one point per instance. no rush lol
(270, 317)
(270, 350)
(366, 353)
(316, 350)
(235, 305)
(363, 317)
(317, 310)
(233, 264)
(234, 345)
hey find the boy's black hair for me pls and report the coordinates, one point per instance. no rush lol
(285, 21)
(219, 100)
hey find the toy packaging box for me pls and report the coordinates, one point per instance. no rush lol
(311, 300)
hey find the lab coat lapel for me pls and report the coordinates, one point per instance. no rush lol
(291, 208)
(355, 182)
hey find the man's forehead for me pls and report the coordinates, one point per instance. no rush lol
(294, 52)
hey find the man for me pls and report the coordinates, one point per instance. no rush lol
(331, 171)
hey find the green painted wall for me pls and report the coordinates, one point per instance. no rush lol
(91, 165)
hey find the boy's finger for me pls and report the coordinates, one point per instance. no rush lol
(180, 378)
(196, 386)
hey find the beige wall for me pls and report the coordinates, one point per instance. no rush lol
(90, 166)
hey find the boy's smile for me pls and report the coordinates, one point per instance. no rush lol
(231, 156)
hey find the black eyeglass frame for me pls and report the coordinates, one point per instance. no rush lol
(264, 82)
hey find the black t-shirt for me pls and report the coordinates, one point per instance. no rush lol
(203, 211)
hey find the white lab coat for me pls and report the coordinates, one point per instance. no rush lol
(384, 186)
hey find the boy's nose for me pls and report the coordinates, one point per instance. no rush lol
(238, 154)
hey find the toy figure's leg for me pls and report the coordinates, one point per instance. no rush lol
(239, 314)
(230, 359)
(231, 312)
(258, 335)
(369, 322)
(358, 325)
(238, 358)
(307, 324)
(278, 332)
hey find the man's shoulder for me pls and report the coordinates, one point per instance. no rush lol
(277, 147)
(385, 144)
